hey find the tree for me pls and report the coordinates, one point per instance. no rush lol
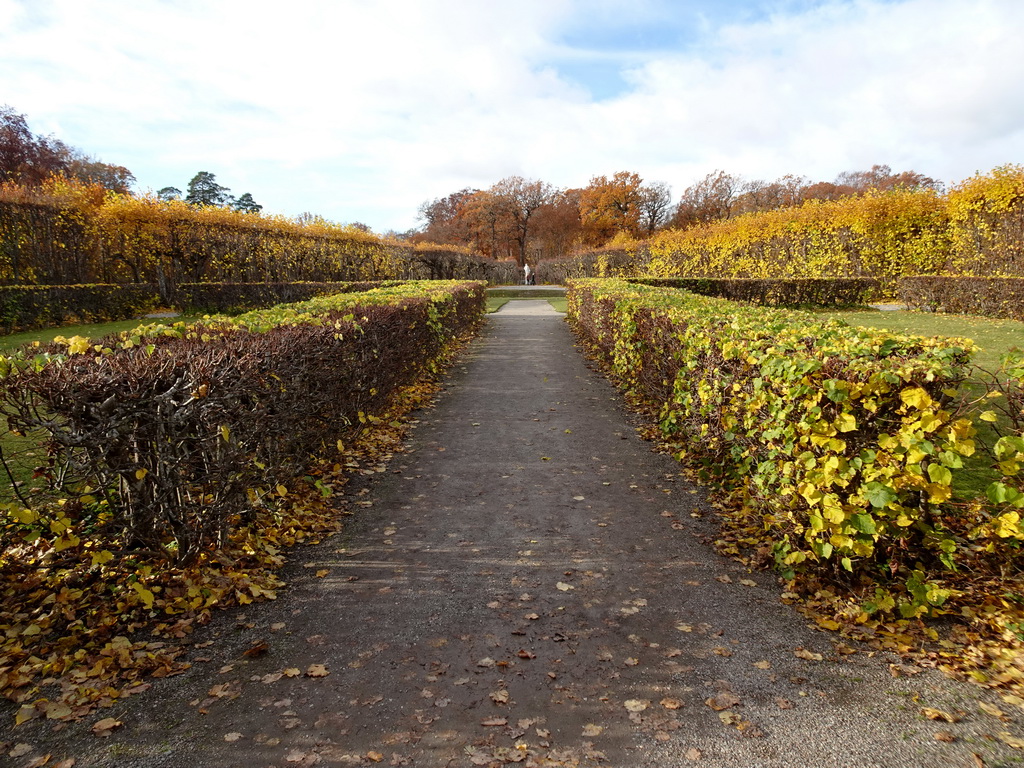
(115, 178)
(169, 193)
(203, 189)
(655, 204)
(710, 199)
(246, 204)
(24, 157)
(610, 206)
(521, 198)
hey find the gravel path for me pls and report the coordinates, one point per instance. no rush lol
(529, 584)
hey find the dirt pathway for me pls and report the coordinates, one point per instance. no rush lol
(531, 585)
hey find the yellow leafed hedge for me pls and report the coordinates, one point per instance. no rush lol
(844, 441)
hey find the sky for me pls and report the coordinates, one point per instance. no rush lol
(362, 110)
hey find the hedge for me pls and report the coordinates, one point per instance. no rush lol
(178, 430)
(27, 307)
(842, 441)
(989, 296)
(783, 292)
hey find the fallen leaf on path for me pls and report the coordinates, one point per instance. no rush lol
(1010, 740)
(684, 627)
(524, 654)
(803, 653)
(256, 649)
(291, 672)
(322, 572)
(374, 756)
(494, 721)
(563, 587)
(723, 701)
(724, 578)
(636, 705)
(693, 754)
(991, 709)
(317, 670)
(748, 582)
(499, 697)
(232, 737)
(273, 677)
(763, 664)
(728, 717)
(106, 726)
(69, 763)
(487, 662)
(20, 750)
(938, 714)
(945, 736)
(39, 762)
(592, 730)
(631, 662)
(784, 703)
(668, 703)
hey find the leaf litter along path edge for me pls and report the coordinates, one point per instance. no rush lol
(529, 584)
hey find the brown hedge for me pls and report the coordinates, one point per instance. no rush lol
(782, 292)
(989, 296)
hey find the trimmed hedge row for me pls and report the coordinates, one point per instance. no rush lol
(989, 296)
(782, 292)
(232, 298)
(27, 307)
(841, 440)
(178, 430)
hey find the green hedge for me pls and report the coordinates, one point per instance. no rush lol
(27, 307)
(841, 441)
(989, 296)
(781, 292)
(232, 298)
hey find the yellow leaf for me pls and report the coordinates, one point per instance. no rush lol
(282, 490)
(101, 557)
(916, 397)
(140, 474)
(145, 594)
(845, 422)
(225, 433)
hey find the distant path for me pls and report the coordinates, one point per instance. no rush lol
(530, 587)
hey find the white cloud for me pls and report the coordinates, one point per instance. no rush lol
(362, 109)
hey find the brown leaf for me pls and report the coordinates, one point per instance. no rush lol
(317, 670)
(499, 697)
(523, 654)
(724, 700)
(636, 705)
(232, 737)
(724, 578)
(945, 736)
(693, 754)
(803, 653)
(20, 750)
(39, 762)
(69, 763)
(592, 730)
(938, 714)
(763, 664)
(105, 726)
(256, 649)
(494, 721)
(668, 703)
